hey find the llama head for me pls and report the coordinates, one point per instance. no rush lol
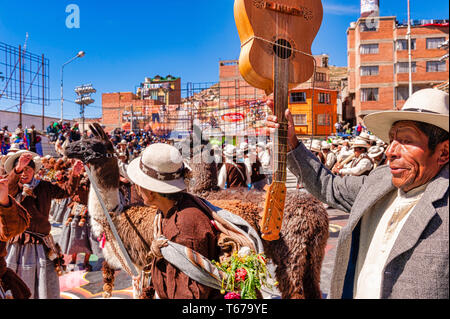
(98, 152)
(93, 151)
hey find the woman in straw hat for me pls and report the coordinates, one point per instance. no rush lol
(159, 179)
(31, 254)
(395, 244)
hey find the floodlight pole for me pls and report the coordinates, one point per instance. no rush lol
(79, 55)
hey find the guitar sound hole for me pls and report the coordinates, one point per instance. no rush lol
(282, 49)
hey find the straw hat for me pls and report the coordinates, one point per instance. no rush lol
(427, 105)
(325, 145)
(315, 146)
(229, 150)
(359, 142)
(335, 142)
(375, 151)
(365, 136)
(15, 147)
(123, 142)
(9, 163)
(159, 169)
(244, 146)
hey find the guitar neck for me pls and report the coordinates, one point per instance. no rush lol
(281, 93)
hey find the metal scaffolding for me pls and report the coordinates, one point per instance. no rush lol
(236, 108)
(24, 77)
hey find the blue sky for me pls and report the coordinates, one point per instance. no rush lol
(126, 41)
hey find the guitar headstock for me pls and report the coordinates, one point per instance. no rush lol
(273, 211)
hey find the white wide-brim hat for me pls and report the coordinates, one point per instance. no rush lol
(427, 105)
(325, 145)
(375, 151)
(159, 169)
(365, 136)
(230, 150)
(9, 164)
(359, 142)
(315, 146)
(243, 147)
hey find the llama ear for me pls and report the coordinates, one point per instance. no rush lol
(93, 130)
(101, 132)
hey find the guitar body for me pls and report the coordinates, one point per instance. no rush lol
(276, 38)
(293, 23)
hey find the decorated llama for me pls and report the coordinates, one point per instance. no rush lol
(298, 253)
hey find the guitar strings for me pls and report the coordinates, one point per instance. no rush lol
(254, 37)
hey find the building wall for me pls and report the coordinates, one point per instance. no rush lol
(233, 87)
(117, 107)
(11, 119)
(319, 109)
(388, 80)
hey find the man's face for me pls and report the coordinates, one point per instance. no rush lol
(359, 151)
(412, 163)
(27, 175)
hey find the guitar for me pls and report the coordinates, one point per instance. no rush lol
(276, 38)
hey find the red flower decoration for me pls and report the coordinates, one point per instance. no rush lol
(232, 295)
(240, 274)
(262, 259)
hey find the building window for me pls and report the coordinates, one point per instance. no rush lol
(298, 97)
(324, 98)
(323, 119)
(434, 43)
(321, 77)
(369, 94)
(403, 67)
(436, 66)
(299, 119)
(402, 92)
(371, 48)
(402, 44)
(369, 70)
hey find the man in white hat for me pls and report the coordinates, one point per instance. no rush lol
(361, 164)
(376, 153)
(395, 244)
(159, 179)
(330, 157)
(232, 174)
(316, 150)
(265, 157)
(248, 161)
(345, 150)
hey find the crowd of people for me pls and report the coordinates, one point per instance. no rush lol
(345, 173)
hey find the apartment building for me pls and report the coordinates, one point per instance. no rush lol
(378, 61)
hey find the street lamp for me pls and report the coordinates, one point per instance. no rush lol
(79, 55)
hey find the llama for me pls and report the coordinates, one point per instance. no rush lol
(298, 254)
